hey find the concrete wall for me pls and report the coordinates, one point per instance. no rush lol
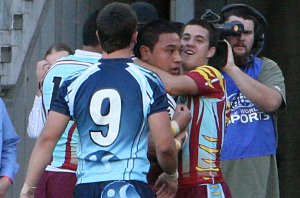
(61, 21)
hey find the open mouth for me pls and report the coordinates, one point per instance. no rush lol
(189, 52)
(175, 71)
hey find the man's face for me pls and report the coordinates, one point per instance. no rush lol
(242, 44)
(165, 54)
(195, 47)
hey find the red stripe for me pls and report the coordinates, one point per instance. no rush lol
(67, 164)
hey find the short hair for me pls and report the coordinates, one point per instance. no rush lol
(116, 23)
(178, 26)
(89, 29)
(58, 47)
(149, 34)
(242, 13)
(213, 34)
(145, 12)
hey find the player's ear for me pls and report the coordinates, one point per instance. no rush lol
(134, 37)
(97, 36)
(145, 52)
(211, 52)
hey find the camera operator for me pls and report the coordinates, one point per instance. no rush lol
(256, 90)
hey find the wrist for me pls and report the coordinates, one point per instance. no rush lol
(28, 190)
(7, 178)
(173, 176)
(231, 70)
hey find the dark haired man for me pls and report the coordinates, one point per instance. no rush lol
(59, 178)
(145, 12)
(202, 90)
(114, 104)
(158, 44)
(256, 90)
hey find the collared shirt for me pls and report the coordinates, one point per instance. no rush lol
(8, 145)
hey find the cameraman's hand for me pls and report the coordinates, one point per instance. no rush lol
(230, 59)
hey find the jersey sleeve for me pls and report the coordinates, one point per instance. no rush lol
(60, 103)
(271, 76)
(160, 100)
(209, 80)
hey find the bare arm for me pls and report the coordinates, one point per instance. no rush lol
(175, 85)
(43, 149)
(266, 98)
(160, 132)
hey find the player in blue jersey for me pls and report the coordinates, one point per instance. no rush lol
(36, 119)
(114, 104)
(59, 179)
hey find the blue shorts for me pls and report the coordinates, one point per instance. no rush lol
(115, 189)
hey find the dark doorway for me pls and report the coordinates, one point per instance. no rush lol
(163, 7)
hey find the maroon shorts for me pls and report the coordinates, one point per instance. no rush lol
(220, 190)
(56, 184)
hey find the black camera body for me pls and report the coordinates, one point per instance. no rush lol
(234, 28)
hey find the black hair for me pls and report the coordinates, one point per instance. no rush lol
(145, 12)
(178, 26)
(116, 24)
(213, 34)
(149, 34)
(89, 29)
(58, 47)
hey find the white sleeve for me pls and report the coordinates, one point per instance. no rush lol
(36, 119)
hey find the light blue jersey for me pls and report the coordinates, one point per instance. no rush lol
(110, 103)
(64, 154)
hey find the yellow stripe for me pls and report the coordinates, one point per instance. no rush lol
(209, 161)
(210, 139)
(207, 169)
(207, 149)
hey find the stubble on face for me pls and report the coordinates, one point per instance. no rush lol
(242, 44)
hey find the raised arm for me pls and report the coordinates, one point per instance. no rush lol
(175, 85)
(264, 97)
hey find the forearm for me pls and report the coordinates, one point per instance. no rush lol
(264, 97)
(168, 159)
(42, 151)
(161, 136)
(175, 85)
(40, 157)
